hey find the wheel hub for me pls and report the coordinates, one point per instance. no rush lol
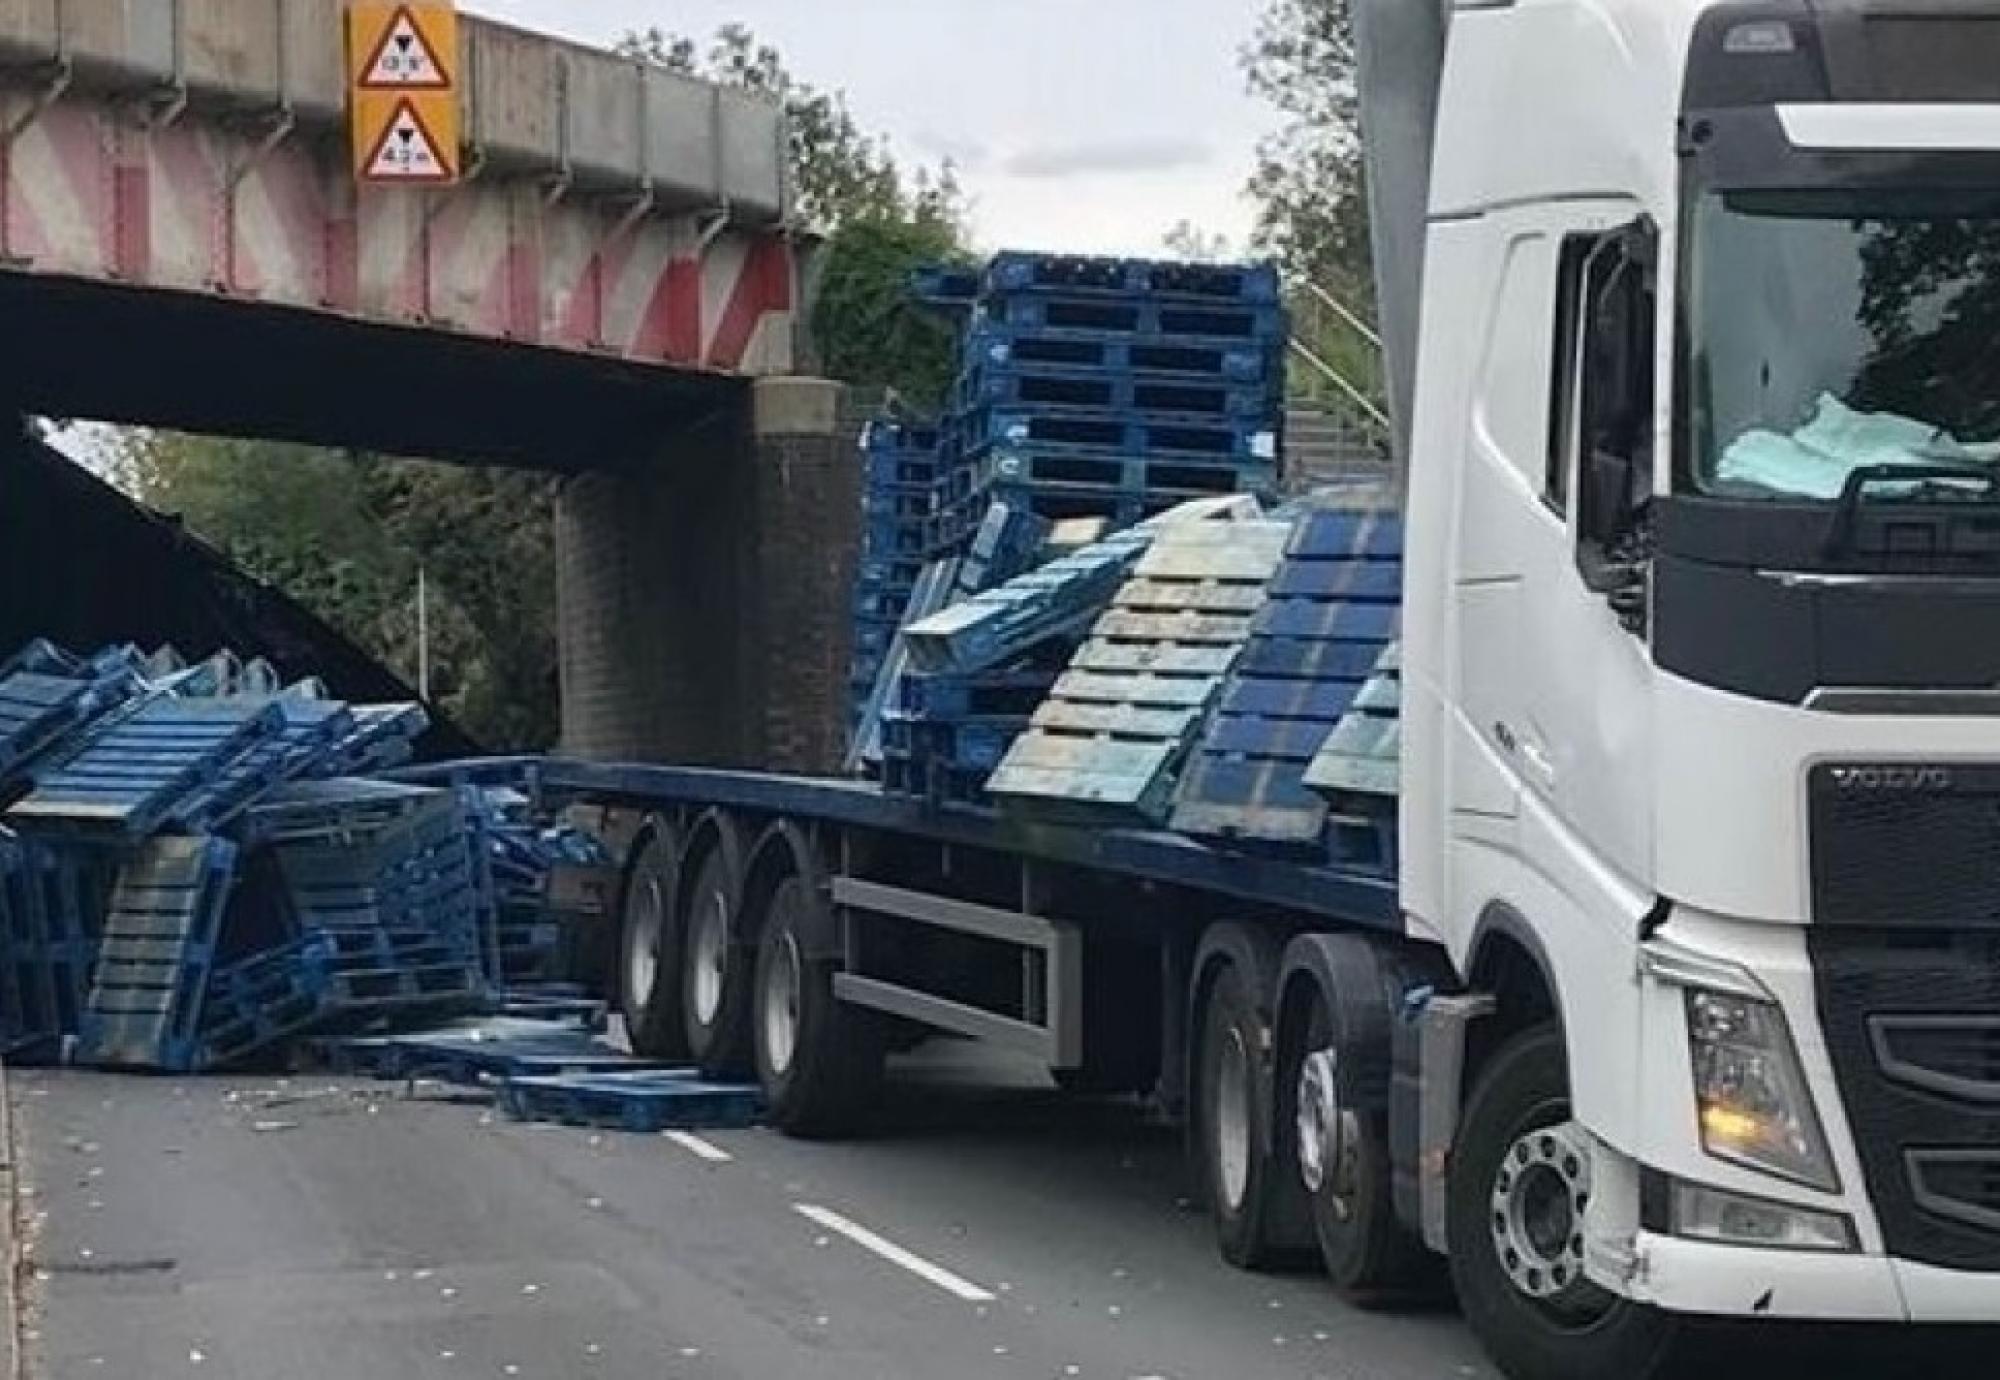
(1327, 1132)
(644, 929)
(1540, 1193)
(711, 956)
(782, 985)
(1232, 1119)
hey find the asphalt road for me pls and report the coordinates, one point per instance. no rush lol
(319, 1229)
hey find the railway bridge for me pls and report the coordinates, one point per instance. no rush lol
(611, 293)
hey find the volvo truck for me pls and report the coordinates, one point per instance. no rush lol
(1681, 999)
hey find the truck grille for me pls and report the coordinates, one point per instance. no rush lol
(1963, 1185)
(1912, 1025)
(1958, 1056)
(1905, 844)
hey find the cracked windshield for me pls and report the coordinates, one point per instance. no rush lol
(719, 690)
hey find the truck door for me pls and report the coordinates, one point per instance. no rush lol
(1563, 433)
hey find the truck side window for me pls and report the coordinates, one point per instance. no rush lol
(1600, 421)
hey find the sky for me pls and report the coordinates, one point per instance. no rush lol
(1085, 125)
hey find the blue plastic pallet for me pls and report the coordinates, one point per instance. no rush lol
(299, 990)
(1013, 271)
(45, 694)
(1029, 386)
(997, 344)
(938, 784)
(1330, 616)
(384, 737)
(135, 771)
(991, 628)
(1068, 430)
(474, 1054)
(1150, 318)
(333, 810)
(51, 912)
(953, 287)
(646, 1102)
(968, 745)
(158, 948)
(1109, 478)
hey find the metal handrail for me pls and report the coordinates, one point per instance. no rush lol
(1333, 376)
(1339, 308)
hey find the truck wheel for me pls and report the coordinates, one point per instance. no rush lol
(820, 1062)
(1232, 1116)
(1340, 1150)
(715, 981)
(1519, 1182)
(649, 953)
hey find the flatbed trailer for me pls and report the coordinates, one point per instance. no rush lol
(1087, 948)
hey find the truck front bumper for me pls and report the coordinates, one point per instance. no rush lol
(1684, 1276)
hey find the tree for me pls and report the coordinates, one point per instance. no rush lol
(1310, 183)
(346, 535)
(871, 333)
(1190, 242)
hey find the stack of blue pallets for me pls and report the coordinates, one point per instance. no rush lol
(1113, 388)
(523, 858)
(51, 920)
(899, 484)
(189, 885)
(1107, 391)
(1317, 642)
(978, 670)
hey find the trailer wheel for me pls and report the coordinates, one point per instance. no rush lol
(1231, 1114)
(715, 976)
(1520, 1179)
(1340, 1151)
(820, 1063)
(649, 952)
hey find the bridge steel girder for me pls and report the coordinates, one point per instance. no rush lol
(261, 208)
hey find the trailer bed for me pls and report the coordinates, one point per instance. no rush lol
(1352, 896)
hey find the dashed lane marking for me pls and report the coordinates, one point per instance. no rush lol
(955, 1285)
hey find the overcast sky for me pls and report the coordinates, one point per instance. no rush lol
(1092, 125)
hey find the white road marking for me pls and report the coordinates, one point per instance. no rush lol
(944, 1279)
(698, 1147)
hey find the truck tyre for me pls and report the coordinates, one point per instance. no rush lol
(715, 965)
(1519, 1179)
(820, 1063)
(1232, 1117)
(1339, 1146)
(649, 951)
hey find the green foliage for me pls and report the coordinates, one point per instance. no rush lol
(871, 333)
(346, 535)
(1310, 183)
(1190, 242)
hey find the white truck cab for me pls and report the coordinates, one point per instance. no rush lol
(1702, 654)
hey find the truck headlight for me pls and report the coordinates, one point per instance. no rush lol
(1755, 1107)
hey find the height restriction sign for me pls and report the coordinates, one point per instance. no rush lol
(402, 62)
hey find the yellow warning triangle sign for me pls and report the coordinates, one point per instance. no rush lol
(407, 152)
(405, 59)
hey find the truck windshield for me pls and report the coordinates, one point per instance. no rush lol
(1831, 332)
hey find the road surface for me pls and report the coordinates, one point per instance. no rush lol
(322, 1229)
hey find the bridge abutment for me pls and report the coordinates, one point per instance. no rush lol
(704, 593)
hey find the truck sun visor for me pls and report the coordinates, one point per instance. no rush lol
(1764, 52)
